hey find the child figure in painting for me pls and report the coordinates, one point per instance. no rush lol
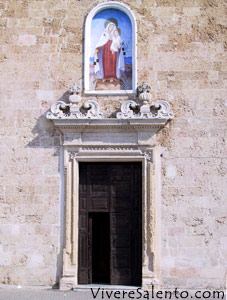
(109, 55)
(116, 43)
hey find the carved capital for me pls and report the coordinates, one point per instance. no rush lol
(72, 155)
(148, 155)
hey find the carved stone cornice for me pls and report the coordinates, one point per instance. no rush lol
(111, 150)
(127, 120)
(69, 111)
(133, 116)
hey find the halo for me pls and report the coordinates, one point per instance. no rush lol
(111, 20)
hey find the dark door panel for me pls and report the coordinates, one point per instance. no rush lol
(110, 223)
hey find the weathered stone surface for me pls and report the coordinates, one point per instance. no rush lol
(182, 56)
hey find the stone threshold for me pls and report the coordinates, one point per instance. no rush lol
(105, 286)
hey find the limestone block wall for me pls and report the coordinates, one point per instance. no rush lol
(182, 56)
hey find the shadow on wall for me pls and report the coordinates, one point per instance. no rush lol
(47, 136)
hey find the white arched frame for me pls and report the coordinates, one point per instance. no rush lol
(87, 45)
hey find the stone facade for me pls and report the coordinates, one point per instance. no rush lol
(182, 56)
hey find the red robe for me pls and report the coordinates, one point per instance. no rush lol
(109, 61)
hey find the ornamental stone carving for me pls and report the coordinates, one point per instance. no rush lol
(133, 112)
(58, 110)
(143, 92)
(62, 110)
(127, 110)
(159, 109)
(135, 151)
(148, 155)
(93, 110)
(162, 109)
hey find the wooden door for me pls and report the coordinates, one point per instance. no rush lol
(126, 223)
(115, 189)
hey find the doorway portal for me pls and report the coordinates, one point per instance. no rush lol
(110, 223)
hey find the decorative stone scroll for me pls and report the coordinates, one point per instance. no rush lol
(62, 110)
(127, 110)
(159, 109)
(93, 110)
(130, 109)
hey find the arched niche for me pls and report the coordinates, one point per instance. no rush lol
(110, 50)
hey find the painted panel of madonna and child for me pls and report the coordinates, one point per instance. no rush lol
(110, 61)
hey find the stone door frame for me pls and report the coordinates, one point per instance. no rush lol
(73, 155)
(131, 136)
